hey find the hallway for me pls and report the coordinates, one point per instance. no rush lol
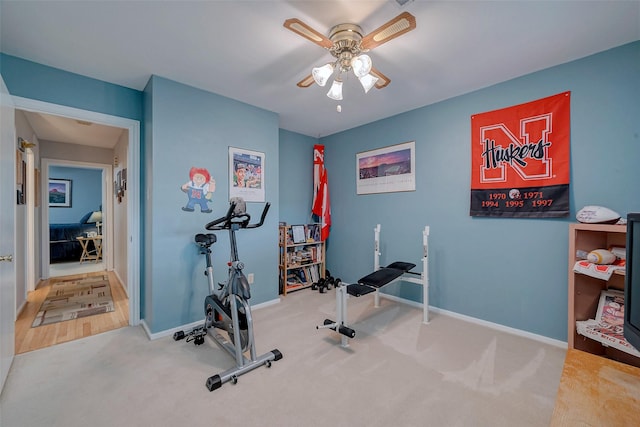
(29, 339)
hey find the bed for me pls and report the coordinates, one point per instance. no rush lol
(63, 243)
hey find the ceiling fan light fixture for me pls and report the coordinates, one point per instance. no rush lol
(348, 44)
(336, 90)
(361, 65)
(321, 74)
(367, 81)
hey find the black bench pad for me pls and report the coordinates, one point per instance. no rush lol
(357, 290)
(399, 265)
(379, 278)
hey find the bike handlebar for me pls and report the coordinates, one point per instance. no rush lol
(231, 217)
(262, 217)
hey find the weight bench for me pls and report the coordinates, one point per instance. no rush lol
(373, 282)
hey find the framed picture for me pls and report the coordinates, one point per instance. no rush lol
(19, 167)
(59, 193)
(24, 183)
(246, 175)
(37, 184)
(123, 179)
(387, 169)
(298, 234)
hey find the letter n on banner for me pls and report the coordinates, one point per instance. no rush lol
(520, 160)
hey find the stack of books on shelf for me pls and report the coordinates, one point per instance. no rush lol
(607, 328)
(300, 257)
(303, 276)
(316, 254)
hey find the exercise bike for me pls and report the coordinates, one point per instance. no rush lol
(226, 308)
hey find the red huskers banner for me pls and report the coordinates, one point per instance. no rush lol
(520, 160)
(321, 206)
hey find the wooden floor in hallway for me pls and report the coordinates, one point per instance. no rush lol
(29, 339)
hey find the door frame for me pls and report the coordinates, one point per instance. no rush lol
(106, 203)
(133, 184)
(8, 232)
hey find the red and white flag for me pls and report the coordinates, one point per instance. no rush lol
(321, 205)
(521, 160)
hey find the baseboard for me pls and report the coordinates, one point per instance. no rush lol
(125, 288)
(496, 326)
(19, 311)
(266, 304)
(189, 326)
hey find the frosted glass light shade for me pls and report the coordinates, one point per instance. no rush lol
(336, 90)
(367, 81)
(322, 74)
(96, 216)
(361, 65)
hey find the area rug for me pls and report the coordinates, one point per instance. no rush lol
(74, 299)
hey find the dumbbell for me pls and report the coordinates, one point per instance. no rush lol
(317, 285)
(322, 286)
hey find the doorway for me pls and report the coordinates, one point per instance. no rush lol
(91, 187)
(89, 210)
(132, 237)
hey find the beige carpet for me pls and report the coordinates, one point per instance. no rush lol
(397, 372)
(75, 298)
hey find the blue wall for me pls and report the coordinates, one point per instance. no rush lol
(190, 127)
(36, 81)
(296, 177)
(86, 193)
(508, 271)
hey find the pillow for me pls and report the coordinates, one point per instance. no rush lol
(85, 218)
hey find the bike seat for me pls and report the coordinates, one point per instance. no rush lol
(205, 240)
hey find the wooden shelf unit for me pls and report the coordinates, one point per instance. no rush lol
(584, 291)
(302, 262)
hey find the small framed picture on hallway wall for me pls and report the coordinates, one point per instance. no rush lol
(59, 193)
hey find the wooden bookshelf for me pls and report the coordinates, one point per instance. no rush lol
(585, 290)
(302, 256)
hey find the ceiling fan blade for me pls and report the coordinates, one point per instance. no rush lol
(383, 80)
(300, 28)
(306, 82)
(399, 25)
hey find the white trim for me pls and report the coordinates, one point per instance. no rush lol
(168, 332)
(8, 279)
(189, 326)
(30, 266)
(126, 291)
(106, 202)
(491, 325)
(133, 184)
(265, 304)
(22, 307)
(402, 300)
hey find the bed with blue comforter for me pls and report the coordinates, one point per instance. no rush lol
(63, 240)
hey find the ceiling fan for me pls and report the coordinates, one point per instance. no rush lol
(348, 44)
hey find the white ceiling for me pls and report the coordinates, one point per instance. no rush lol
(240, 49)
(61, 129)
